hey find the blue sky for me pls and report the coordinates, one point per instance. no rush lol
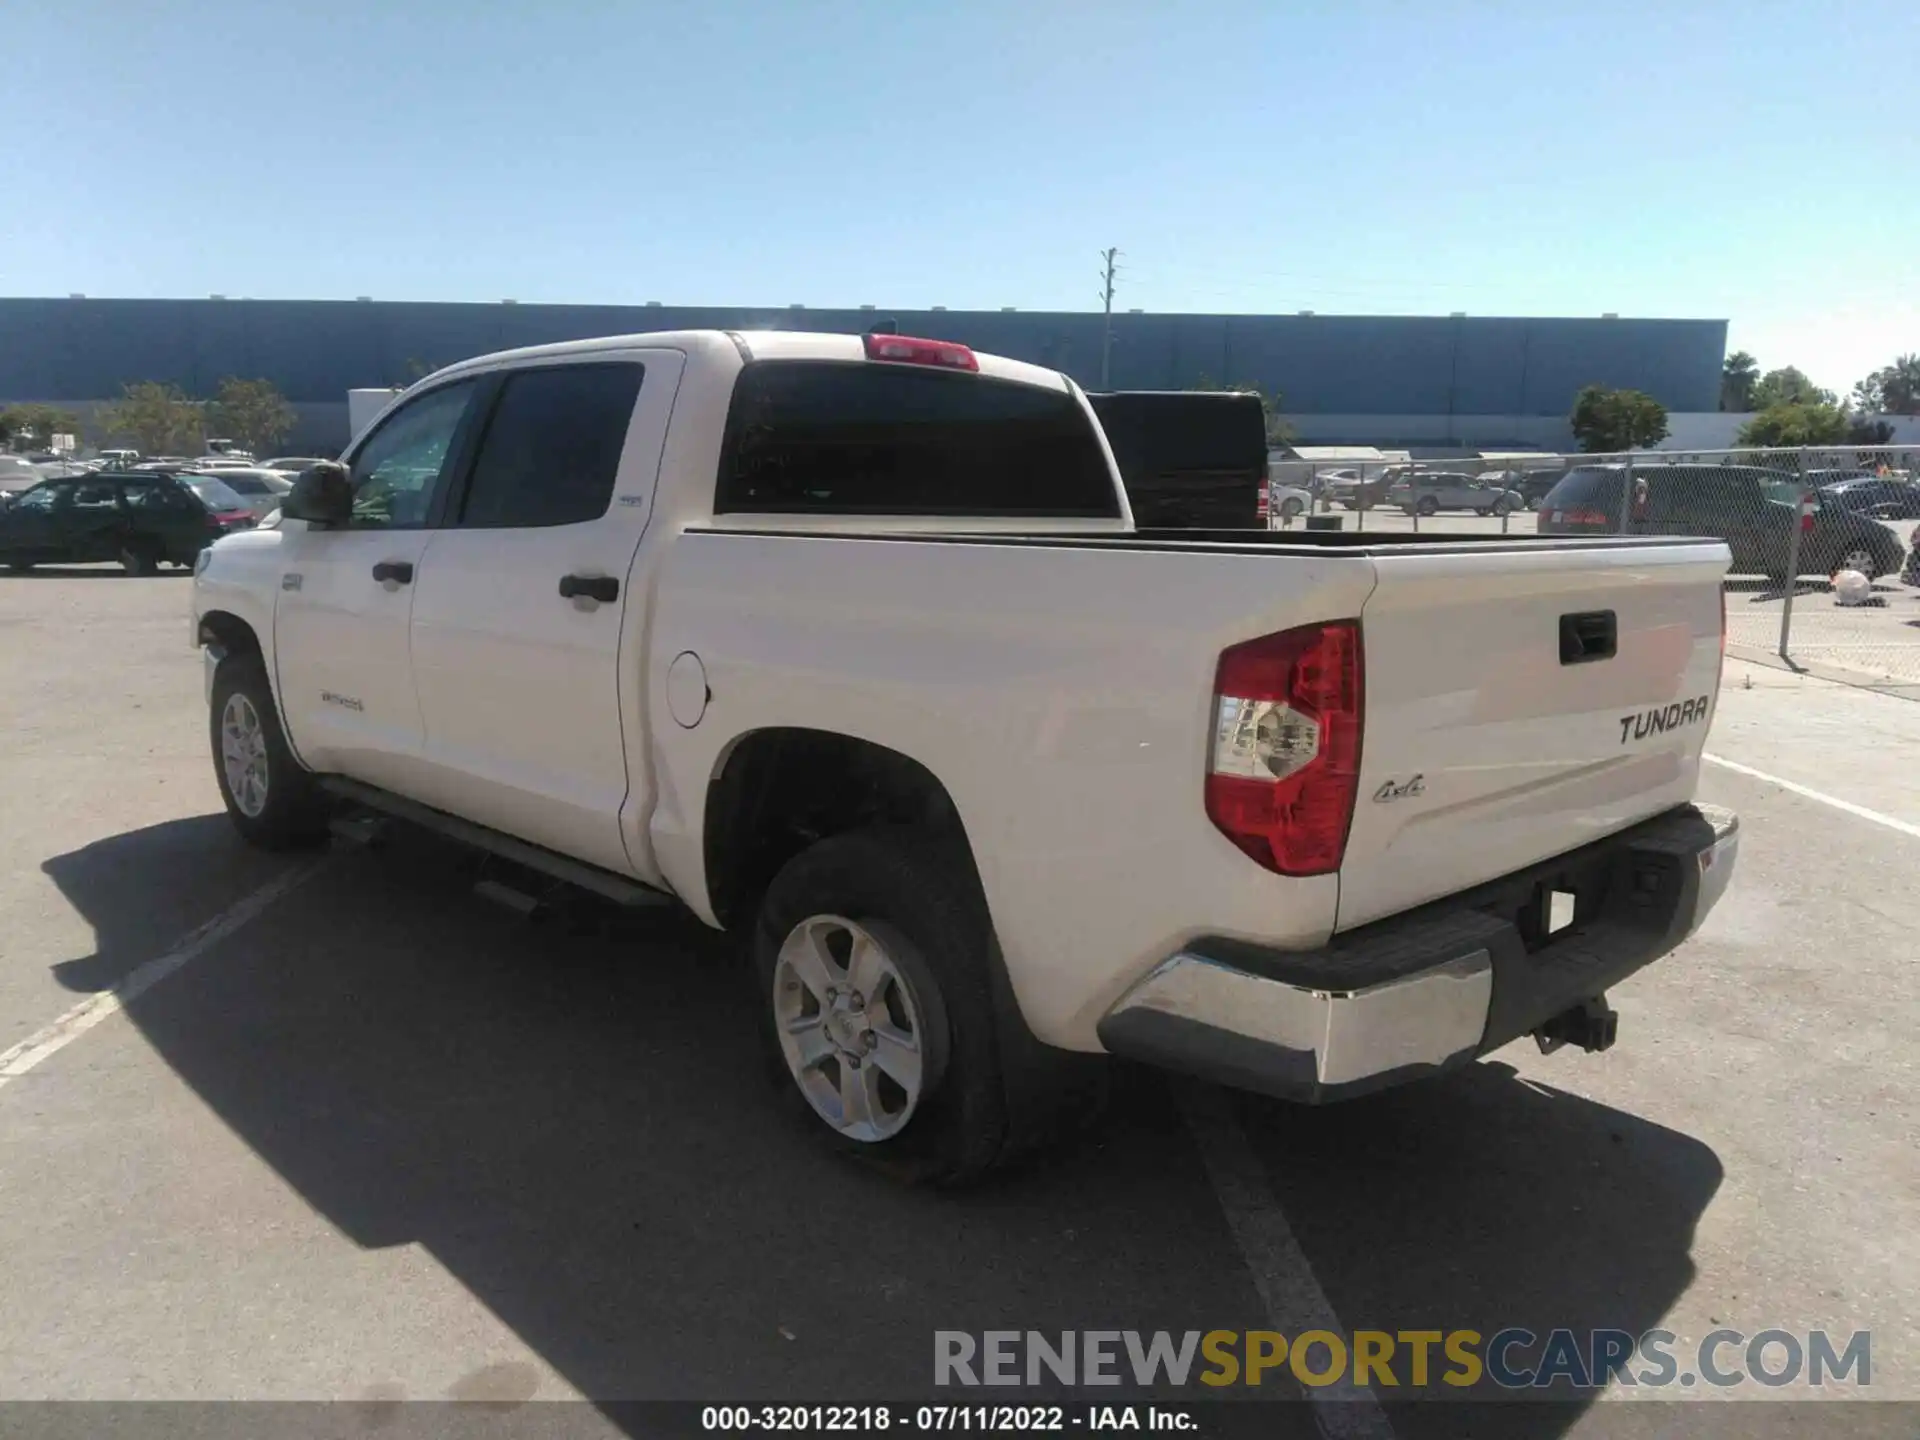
(1729, 160)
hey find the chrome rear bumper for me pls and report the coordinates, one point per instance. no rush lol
(1425, 992)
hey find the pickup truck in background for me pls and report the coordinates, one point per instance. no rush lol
(853, 646)
(1190, 458)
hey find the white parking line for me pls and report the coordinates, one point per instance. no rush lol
(49, 1040)
(1905, 827)
(1289, 1292)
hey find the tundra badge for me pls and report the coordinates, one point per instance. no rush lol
(1669, 717)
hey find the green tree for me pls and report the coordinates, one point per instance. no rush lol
(252, 412)
(1891, 390)
(1605, 421)
(1795, 423)
(1738, 376)
(159, 419)
(1279, 432)
(1862, 431)
(34, 426)
(1789, 386)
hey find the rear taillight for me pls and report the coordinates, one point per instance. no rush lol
(1285, 764)
(907, 350)
(1586, 517)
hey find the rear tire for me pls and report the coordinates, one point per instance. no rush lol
(938, 1106)
(1427, 506)
(271, 799)
(1502, 508)
(1290, 509)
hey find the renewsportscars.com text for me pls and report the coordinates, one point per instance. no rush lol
(1514, 1358)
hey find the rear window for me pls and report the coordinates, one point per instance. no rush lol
(1586, 487)
(214, 493)
(808, 436)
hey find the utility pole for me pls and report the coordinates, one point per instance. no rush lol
(1110, 255)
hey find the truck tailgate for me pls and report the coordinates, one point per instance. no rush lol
(1521, 703)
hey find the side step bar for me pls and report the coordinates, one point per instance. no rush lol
(617, 888)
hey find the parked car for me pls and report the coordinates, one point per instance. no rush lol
(293, 464)
(18, 473)
(1870, 495)
(1752, 509)
(1533, 486)
(1430, 494)
(1288, 502)
(118, 459)
(1354, 492)
(845, 643)
(260, 489)
(141, 520)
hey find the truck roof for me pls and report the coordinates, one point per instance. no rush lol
(753, 345)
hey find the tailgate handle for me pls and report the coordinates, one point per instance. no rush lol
(1590, 635)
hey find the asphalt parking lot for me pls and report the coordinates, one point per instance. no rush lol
(372, 1139)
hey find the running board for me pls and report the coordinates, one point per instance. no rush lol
(617, 888)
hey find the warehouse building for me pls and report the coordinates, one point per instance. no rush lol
(1397, 381)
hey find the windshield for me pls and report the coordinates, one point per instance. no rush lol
(216, 494)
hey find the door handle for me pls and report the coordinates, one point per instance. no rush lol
(1584, 638)
(398, 571)
(603, 588)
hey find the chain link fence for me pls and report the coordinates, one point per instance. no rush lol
(1822, 539)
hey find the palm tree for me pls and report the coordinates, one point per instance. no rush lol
(1737, 378)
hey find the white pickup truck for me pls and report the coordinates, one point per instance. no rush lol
(850, 645)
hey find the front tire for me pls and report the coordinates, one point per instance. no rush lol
(1428, 506)
(271, 800)
(871, 956)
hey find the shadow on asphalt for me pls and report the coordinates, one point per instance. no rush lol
(578, 1127)
(148, 888)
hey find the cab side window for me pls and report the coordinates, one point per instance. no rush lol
(550, 452)
(163, 497)
(400, 468)
(94, 496)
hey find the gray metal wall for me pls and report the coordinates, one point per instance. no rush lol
(79, 350)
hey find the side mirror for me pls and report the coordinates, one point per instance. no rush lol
(322, 496)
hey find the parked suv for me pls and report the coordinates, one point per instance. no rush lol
(1752, 509)
(1430, 494)
(139, 519)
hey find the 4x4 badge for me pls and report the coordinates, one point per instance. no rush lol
(1394, 790)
